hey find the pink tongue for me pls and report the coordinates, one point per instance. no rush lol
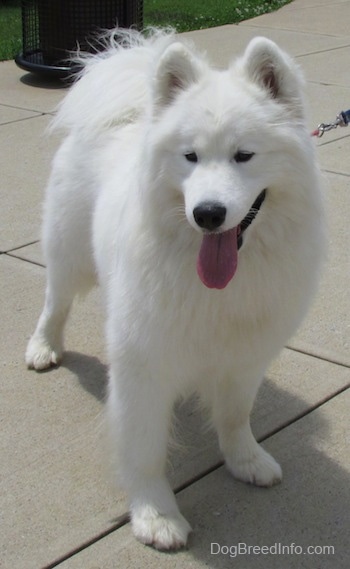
(217, 259)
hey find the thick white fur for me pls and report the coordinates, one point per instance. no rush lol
(119, 206)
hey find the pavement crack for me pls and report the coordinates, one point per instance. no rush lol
(122, 521)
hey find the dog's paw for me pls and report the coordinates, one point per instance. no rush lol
(164, 532)
(256, 467)
(40, 355)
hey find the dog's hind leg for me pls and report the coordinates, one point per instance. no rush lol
(66, 277)
(68, 254)
(46, 345)
(244, 457)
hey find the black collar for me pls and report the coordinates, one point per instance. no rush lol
(251, 215)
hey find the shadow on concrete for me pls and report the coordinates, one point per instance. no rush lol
(90, 371)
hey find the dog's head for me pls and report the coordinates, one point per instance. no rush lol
(225, 140)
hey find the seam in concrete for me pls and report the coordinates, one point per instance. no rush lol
(326, 142)
(122, 521)
(21, 246)
(306, 32)
(318, 356)
(23, 119)
(337, 173)
(346, 45)
(19, 258)
(38, 115)
(16, 107)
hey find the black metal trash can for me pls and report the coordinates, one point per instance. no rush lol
(51, 29)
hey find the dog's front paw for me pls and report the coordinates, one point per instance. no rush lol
(162, 531)
(40, 355)
(256, 467)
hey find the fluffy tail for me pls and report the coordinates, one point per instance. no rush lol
(113, 87)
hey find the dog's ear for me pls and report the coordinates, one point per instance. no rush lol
(178, 68)
(265, 64)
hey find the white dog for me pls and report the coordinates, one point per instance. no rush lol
(192, 195)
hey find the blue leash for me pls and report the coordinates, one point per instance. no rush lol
(343, 119)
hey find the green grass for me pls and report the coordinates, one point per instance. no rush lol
(10, 28)
(184, 15)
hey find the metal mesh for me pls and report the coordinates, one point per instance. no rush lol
(53, 28)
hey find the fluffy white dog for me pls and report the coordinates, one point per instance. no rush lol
(192, 195)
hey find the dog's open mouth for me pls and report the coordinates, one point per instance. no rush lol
(218, 255)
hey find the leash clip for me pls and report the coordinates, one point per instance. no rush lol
(342, 119)
(326, 127)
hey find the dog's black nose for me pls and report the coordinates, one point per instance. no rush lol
(209, 215)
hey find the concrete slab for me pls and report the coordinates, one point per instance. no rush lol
(297, 515)
(11, 114)
(328, 67)
(318, 18)
(26, 91)
(326, 331)
(225, 42)
(334, 157)
(58, 492)
(25, 159)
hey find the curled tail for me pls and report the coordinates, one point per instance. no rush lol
(114, 84)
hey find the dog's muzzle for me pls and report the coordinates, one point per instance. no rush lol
(218, 256)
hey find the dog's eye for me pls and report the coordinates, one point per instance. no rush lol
(243, 156)
(191, 157)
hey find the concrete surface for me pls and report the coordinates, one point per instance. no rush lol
(224, 512)
(58, 506)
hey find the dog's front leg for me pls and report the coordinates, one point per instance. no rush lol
(139, 410)
(244, 457)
